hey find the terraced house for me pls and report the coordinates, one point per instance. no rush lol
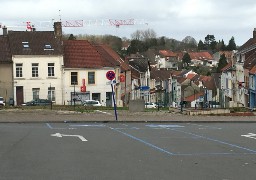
(85, 68)
(40, 65)
(6, 81)
(37, 60)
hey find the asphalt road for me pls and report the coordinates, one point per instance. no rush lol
(135, 151)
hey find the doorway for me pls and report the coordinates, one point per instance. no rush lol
(19, 95)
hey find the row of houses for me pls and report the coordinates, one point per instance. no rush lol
(40, 64)
(238, 78)
(235, 86)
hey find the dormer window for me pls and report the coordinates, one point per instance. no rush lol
(48, 47)
(25, 44)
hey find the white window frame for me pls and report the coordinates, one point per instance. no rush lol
(35, 70)
(35, 93)
(18, 70)
(51, 68)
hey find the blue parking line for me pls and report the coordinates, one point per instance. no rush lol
(212, 154)
(203, 126)
(164, 126)
(215, 140)
(144, 142)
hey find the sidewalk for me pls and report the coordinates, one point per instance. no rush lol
(46, 115)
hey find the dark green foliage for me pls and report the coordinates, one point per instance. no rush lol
(222, 46)
(231, 45)
(201, 46)
(210, 42)
(113, 41)
(202, 70)
(72, 37)
(161, 41)
(186, 59)
(136, 46)
(214, 46)
(222, 63)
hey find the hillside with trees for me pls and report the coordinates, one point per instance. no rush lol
(210, 44)
(143, 40)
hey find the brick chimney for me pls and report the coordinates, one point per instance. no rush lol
(5, 31)
(254, 33)
(58, 29)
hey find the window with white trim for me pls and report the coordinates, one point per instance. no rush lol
(51, 70)
(35, 92)
(34, 69)
(19, 70)
(25, 44)
(91, 77)
(74, 78)
(51, 93)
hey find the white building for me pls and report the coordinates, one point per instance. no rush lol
(85, 71)
(37, 77)
(37, 66)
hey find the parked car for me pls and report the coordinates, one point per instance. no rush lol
(150, 105)
(92, 103)
(160, 104)
(37, 102)
(2, 102)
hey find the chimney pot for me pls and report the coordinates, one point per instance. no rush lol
(5, 31)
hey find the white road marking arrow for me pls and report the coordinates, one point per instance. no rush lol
(250, 135)
(62, 135)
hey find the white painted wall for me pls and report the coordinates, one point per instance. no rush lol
(100, 85)
(43, 81)
(240, 93)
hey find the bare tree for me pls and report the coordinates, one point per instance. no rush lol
(148, 34)
(137, 35)
(143, 35)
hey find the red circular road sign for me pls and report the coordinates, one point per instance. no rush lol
(110, 75)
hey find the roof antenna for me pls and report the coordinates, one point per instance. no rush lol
(60, 15)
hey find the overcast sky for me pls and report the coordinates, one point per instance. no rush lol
(171, 18)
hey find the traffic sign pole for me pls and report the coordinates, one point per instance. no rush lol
(113, 94)
(110, 75)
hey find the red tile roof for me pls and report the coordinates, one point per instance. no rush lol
(227, 67)
(205, 78)
(124, 65)
(167, 53)
(175, 73)
(250, 61)
(181, 79)
(190, 76)
(200, 55)
(253, 70)
(250, 42)
(81, 54)
(210, 84)
(160, 74)
(193, 97)
(104, 54)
